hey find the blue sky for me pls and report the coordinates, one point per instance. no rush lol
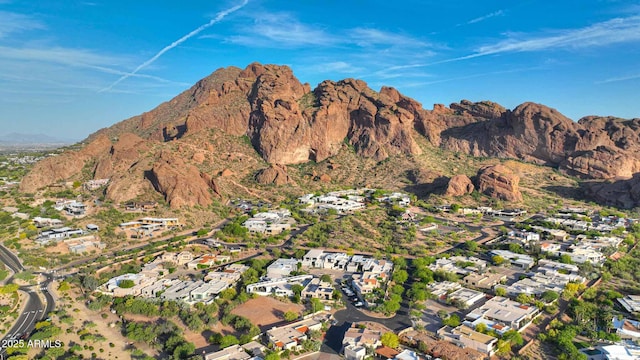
(68, 68)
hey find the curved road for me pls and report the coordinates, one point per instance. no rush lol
(34, 310)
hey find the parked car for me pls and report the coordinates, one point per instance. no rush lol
(358, 304)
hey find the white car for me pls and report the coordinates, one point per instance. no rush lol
(358, 304)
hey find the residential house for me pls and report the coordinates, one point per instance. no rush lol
(290, 337)
(231, 274)
(141, 206)
(466, 298)
(335, 261)
(255, 348)
(365, 283)
(626, 329)
(207, 261)
(520, 261)
(206, 292)
(467, 337)
(233, 352)
(282, 268)
(443, 288)
(550, 247)
(407, 354)
(485, 280)
(270, 222)
(313, 258)
(75, 208)
(95, 184)
(165, 223)
(278, 286)
(84, 244)
(317, 289)
(181, 258)
(355, 352)
(41, 222)
(365, 337)
(631, 303)
(504, 313)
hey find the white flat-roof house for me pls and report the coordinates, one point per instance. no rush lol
(279, 286)
(504, 311)
(521, 261)
(282, 268)
(233, 352)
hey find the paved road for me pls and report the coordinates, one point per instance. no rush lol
(34, 309)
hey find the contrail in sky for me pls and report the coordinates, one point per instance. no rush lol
(221, 15)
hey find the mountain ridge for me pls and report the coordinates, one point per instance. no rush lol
(287, 123)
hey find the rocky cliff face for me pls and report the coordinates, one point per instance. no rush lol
(592, 148)
(499, 182)
(621, 193)
(288, 123)
(459, 185)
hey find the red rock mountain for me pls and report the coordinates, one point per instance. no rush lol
(288, 123)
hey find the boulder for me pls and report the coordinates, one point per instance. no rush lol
(275, 174)
(459, 185)
(499, 182)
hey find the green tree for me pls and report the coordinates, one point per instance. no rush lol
(228, 340)
(390, 339)
(297, 289)
(325, 278)
(228, 294)
(274, 355)
(89, 282)
(400, 276)
(453, 320)
(215, 338)
(549, 296)
(64, 286)
(500, 291)
(290, 315)
(524, 298)
(514, 337)
(316, 305)
(497, 260)
(566, 259)
(471, 245)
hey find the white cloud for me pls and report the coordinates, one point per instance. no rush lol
(58, 69)
(14, 23)
(279, 30)
(284, 30)
(621, 78)
(487, 16)
(370, 36)
(615, 31)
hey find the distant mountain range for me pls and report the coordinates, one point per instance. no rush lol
(32, 139)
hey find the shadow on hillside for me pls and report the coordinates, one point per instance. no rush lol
(437, 186)
(568, 192)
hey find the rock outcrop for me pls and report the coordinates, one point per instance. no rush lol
(459, 185)
(287, 122)
(62, 167)
(592, 148)
(182, 183)
(275, 174)
(622, 193)
(499, 182)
